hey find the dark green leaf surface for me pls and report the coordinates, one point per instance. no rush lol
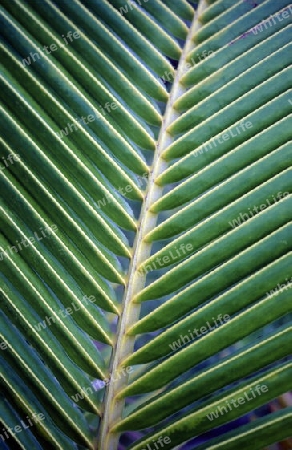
(209, 93)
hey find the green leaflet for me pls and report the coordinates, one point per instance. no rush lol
(79, 100)
(72, 337)
(96, 184)
(10, 418)
(265, 431)
(13, 190)
(221, 278)
(216, 37)
(26, 361)
(104, 68)
(57, 180)
(110, 45)
(216, 8)
(242, 363)
(167, 19)
(147, 27)
(241, 107)
(230, 369)
(16, 389)
(69, 375)
(233, 90)
(232, 70)
(257, 316)
(184, 428)
(231, 13)
(219, 252)
(276, 167)
(261, 119)
(183, 9)
(205, 319)
(127, 122)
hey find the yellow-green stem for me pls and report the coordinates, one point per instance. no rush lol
(136, 281)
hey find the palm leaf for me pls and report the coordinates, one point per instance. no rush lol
(146, 224)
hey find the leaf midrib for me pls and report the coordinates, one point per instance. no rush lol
(124, 346)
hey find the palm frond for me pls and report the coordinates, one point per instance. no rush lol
(146, 219)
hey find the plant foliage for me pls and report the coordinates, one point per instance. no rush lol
(146, 224)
